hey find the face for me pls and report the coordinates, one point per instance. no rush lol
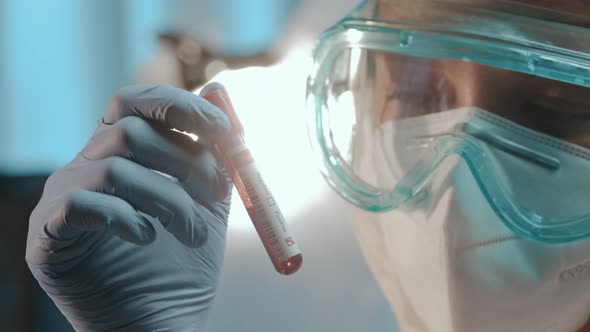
(481, 256)
(452, 265)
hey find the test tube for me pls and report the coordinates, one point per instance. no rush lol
(257, 198)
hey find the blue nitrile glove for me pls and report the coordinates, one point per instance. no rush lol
(121, 247)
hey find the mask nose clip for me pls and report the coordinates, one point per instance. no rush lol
(509, 146)
(469, 129)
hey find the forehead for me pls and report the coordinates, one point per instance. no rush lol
(577, 8)
(574, 12)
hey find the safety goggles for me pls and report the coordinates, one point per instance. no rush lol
(508, 94)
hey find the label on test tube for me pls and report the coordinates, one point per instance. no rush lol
(269, 218)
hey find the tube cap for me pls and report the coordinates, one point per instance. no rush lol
(216, 94)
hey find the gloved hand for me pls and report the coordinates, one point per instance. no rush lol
(121, 247)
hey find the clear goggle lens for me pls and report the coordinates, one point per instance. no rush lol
(380, 122)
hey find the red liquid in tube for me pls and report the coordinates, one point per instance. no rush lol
(257, 198)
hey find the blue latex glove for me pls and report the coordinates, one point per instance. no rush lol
(120, 247)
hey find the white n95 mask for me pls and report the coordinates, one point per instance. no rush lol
(449, 263)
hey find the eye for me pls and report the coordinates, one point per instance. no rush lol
(567, 107)
(557, 117)
(420, 96)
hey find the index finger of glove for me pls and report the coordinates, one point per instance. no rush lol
(168, 107)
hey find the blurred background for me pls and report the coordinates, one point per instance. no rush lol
(60, 61)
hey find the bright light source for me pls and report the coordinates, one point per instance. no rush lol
(271, 105)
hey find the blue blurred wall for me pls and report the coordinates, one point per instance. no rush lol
(59, 63)
(61, 60)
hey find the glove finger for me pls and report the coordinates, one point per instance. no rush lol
(170, 108)
(163, 150)
(150, 193)
(84, 211)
